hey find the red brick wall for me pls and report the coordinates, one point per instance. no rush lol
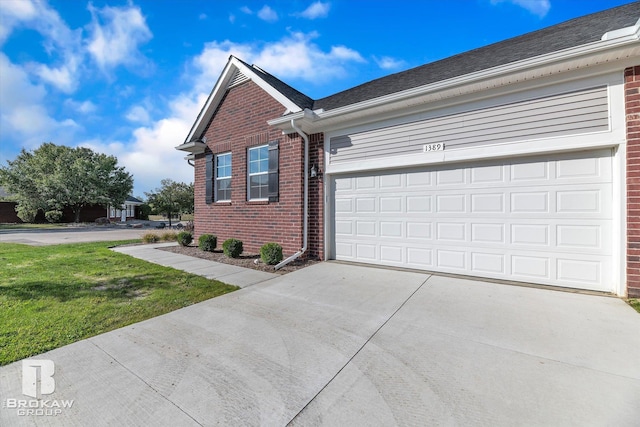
(88, 214)
(239, 123)
(632, 109)
(316, 196)
(8, 212)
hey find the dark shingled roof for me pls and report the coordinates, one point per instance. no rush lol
(299, 98)
(133, 199)
(576, 32)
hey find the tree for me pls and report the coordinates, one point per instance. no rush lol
(54, 176)
(172, 198)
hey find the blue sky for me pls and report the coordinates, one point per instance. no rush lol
(129, 77)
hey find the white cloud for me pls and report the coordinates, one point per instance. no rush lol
(246, 10)
(86, 107)
(202, 16)
(232, 18)
(293, 57)
(23, 116)
(116, 34)
(267, 14)
(537, 7)
(389, 63)
(316, 10)
(138, 114)
(59, 40)
(150, 155)
(12, 13)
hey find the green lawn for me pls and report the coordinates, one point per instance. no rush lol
(51, 296)
(635, 303)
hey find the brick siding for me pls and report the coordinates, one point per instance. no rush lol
(240, 122)
(632, 110)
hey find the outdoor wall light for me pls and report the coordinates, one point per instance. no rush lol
(313, 172)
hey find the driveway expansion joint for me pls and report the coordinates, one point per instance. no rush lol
(144, 382)
(359, 349)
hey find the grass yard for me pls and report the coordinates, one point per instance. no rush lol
(635, 303)
(51, 296)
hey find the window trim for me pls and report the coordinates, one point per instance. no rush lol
(216, 178)
(263, 173)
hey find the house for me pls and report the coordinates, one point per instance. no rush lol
(88, 214)
(126, 212)
(516, 161)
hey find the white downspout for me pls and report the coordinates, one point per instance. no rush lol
(305, 201)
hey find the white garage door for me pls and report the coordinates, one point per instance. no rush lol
(543, 220)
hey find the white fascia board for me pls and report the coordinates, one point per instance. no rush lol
(218, 91)
(193, 147)
(303, 119)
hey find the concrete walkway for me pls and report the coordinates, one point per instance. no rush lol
(336, 344)
(226, 273)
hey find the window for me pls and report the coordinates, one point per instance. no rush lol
(259, 173)
(223, 177)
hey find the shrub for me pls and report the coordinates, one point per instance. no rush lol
(26, 213)
(185, 238)
(143, 211)
(150, 238)
(232, 248)
(207, 242)
(169, 236)
(271, 253)
(53, 216)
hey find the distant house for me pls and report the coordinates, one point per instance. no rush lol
(127, 211)
(517, 161)
(88, 214)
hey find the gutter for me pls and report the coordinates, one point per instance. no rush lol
(305, 196)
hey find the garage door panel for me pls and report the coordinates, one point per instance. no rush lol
(484, 233)
(544, 220)
(482, 262)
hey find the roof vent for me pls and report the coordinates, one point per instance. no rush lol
(238, 79)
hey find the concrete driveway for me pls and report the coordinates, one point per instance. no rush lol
(337, 344)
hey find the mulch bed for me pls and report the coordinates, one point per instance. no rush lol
(246, 260)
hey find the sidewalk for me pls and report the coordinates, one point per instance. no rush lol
(226, 273)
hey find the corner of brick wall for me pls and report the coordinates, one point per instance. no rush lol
(632, 111)
(240, 122)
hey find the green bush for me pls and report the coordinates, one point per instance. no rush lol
(53, 216)
(26, 213)
(185, 238)
(232, 248)
(271, 253)
(207, 242)
(150, 238)
(169, 236)
(143, 211)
